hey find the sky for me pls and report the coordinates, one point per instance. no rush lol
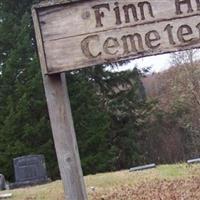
(157, 63)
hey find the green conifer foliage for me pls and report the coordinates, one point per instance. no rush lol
(107, 107)
(24, 124)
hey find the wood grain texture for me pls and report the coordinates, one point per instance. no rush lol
(65, 26)
(62, 127)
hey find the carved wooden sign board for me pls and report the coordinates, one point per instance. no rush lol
(86, 33)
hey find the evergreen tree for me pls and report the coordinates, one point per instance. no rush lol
(91, 123)
(122, 96)
(107, 107)
(24, 124)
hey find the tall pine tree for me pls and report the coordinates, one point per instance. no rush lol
(24, 124)
(107, 107)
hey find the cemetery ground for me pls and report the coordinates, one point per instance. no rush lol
(166, 182)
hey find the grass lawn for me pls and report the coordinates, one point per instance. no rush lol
(166, 182)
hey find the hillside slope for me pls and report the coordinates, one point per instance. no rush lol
(166, 182)
(176, 123)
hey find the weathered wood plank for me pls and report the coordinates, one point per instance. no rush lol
(86, 33)
(75, 19)
(62, 128)
(120, 46)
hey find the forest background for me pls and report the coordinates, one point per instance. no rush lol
(122, 119)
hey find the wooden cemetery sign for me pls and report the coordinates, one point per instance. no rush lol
(85, 33)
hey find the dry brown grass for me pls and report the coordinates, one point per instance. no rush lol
(167, 182)
(188, 189)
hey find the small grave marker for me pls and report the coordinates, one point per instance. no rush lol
(5, 196)
(150, 166)
(29, 170)
(2, 182)
(194, 161)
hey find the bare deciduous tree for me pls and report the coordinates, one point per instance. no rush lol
(184, 57)
(189, 85)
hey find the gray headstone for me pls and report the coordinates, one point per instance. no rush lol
(2, 182)
(5, 196)
(29, 170)
(194, 161)
(144, 167)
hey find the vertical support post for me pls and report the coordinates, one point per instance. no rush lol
(64, 136)
(62, 126)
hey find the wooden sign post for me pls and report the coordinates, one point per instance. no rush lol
(86, 33)
(62, 128)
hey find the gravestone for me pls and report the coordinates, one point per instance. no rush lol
(2, 182)
(29, 170)
(144, 167)
(5, 196)
(193, 161)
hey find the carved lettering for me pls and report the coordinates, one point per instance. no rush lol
(110, 46)
(137, 42)
(183, 31)
(131, 40)
(130, 11)
(198, 27)
(142, 6)
(179, 3)
(151, 37)
(106, 31)
(99, 14)
(169, 28)
(132, 8)
(198, 4)
(85, 46)
(117, 14)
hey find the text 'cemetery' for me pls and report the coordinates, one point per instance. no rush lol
(108, 31)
